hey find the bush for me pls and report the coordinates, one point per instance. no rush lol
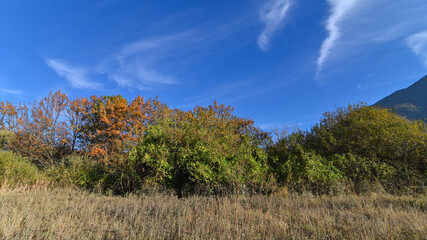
(78, 171)
(368, 146)
(377, 137)
(207, 147)
(304, 170)
(17, 171)
(361, 173)
(5, 138)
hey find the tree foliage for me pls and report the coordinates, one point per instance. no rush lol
(208, 146)
(112, 143)
(366, 144)
(375, 134)
(105, 127)
(111, 126)
(17, 171)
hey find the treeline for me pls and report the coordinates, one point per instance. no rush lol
(108, 143)
(102, 127)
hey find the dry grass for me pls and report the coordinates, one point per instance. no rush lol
(70, 214)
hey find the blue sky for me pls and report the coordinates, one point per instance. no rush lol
(279, 62)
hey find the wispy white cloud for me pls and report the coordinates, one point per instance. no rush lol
(361, 26)
(163, 42)
(11, 91)
(145, 64)
(418, 43)
(165, 59)
(272, 15)
(153, 62)
(137, 76)
(76, 76)
(136, 64)
(389, 34)
(133, 66)
(339, 10)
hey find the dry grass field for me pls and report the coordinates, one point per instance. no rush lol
(71, 214)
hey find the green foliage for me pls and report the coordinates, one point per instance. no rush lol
(91, 174)
(311, 168)
(369, 132)
(5, 138)
(206, 147)
(279, 151)
(375, 134)
(304, 170)
(17, 171)
(361, 172)
(367, 145)
(79, 171)
(112, 144)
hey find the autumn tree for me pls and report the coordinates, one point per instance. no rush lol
(14, 119)
(76, 115)
(110, 126)
(42, 132)
(8, 116)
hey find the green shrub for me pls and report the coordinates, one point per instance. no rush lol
(305, 170)
(208, 148)
(362, 173)
(369, 147)
(78, 171)
(380, 139)
(17, 171)
(5, 138)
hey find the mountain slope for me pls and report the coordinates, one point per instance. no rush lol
(410, 102)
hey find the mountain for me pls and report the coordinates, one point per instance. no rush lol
(410, 102)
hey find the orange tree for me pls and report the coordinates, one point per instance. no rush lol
(109, 126)
(40, 131)
(8, 116)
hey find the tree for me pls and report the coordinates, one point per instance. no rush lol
(377, 135)
(76, 114)
(11, 115)
(110, 126)
(43, 135)
(206, 147)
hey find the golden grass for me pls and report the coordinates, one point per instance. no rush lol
(71, 214)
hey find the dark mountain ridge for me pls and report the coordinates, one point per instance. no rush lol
(410, 102)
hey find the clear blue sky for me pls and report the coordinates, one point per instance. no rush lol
(279, 62)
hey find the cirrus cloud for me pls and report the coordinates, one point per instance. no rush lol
(76, 76)
(339, 10)
(418, 43)
(272, 15)
(11, 91)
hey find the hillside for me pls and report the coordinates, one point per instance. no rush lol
(410, 102)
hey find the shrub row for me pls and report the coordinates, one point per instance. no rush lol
(358, 147)
(110, 144)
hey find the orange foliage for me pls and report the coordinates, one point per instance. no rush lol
(111, 125)
(8, 116)
(104, 127)
(41, 131)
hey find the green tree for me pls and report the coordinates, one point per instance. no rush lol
(376, 135)
(207, 147)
